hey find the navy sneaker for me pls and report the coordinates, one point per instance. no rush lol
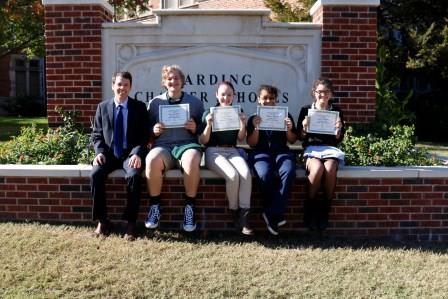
(189, 220)
(152, 221)
(271, 225)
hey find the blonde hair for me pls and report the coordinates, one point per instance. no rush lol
(166, 69)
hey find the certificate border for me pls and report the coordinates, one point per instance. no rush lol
(284, 128)
(228, 128)
(187, 111)
(323, 132)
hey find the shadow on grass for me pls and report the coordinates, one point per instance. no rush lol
(286, 240)
(290, 240)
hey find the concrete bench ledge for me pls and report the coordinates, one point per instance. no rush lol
(8, 170)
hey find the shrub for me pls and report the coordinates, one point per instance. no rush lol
(63, 145)
(397, 149)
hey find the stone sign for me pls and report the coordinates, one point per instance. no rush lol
(240, 46)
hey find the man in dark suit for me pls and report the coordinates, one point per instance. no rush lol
(120, 136)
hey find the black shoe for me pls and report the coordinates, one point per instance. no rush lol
(324, 207)
(271, 224)
(244, 222)
(131, 232)
(103, 229)
(310, 214)
(281, 221)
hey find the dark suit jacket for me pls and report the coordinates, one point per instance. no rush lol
(137, 134)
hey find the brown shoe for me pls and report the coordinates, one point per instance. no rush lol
(102, 229)
(131, 232)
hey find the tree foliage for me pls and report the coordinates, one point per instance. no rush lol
(22, 27)
(413, 39)
(290, 11)
(129, 8)
(415, 32)
(392, 110)
(22, 23)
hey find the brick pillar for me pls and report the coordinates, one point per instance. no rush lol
(73, 56)
(349, 39)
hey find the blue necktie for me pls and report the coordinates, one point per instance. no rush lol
(118, 133)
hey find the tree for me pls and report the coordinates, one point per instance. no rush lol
(413, 48)
(415, 32)
(290, 11)
(129, 8)
(22, 27)
(22, 24)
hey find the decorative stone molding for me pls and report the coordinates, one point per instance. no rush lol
(241, 46)
(104, 3)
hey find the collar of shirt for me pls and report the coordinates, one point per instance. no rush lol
(330, 107)
(174, 101)
(124, 104)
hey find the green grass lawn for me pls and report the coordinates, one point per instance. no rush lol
(440, 149)
(10, 126)
(44, 261)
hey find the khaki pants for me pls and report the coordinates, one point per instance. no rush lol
(228, 164)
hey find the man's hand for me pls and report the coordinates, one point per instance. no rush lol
(158, 129)
(100, 159)
(135, 161)
(288, 122)
(190, 125)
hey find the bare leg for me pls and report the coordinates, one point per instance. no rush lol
(316, 171)
(190, 162)
(154, 173)
(331, 168)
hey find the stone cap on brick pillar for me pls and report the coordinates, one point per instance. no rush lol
(104, 3)
(320, 3)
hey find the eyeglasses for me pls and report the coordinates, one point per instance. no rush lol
(322, 92)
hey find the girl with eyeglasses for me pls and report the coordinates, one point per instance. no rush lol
(321, 155)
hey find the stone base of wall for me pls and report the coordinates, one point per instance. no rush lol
(397, 203)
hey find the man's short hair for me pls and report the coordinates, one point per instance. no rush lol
(122, 74)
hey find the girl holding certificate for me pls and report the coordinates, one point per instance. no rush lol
(221, 128)
(272, 160)
(321, 129)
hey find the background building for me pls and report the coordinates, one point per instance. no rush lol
(22, 88)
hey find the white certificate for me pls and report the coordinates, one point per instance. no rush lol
(225, 118)
(272, 117)
(322, 121)
(174, 116)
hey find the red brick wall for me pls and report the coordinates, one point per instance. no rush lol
(398, 208)
(349, 35)
(73, 58)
